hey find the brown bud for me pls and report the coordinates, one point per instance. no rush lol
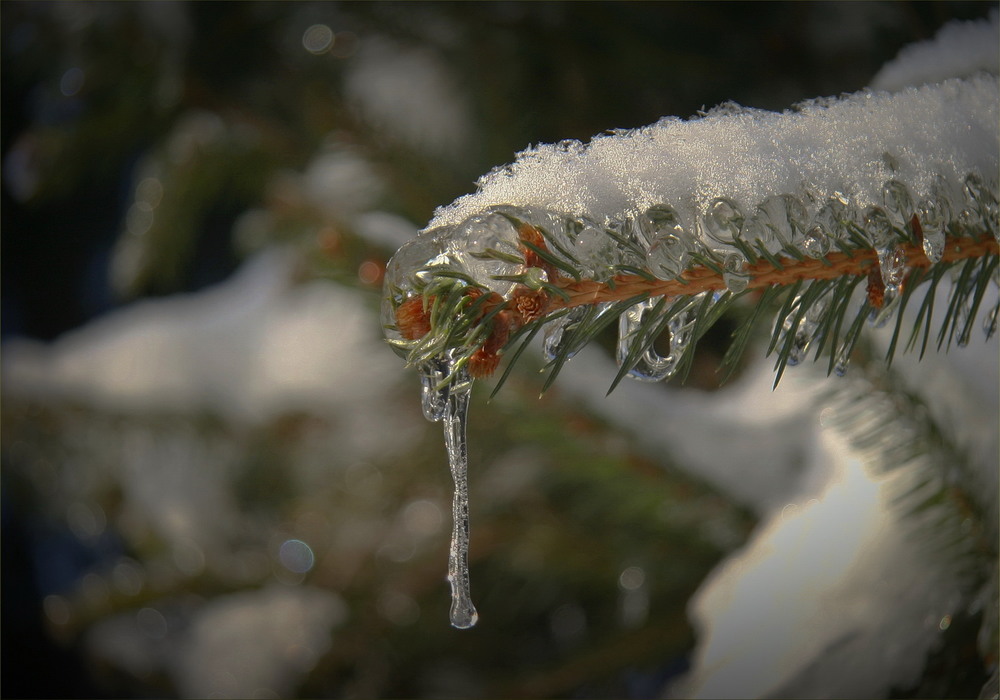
(529, 304)
(485, 360)
(876, 287)
(412, 319)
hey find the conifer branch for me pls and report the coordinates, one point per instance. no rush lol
(762, 274)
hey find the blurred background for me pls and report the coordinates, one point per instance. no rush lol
(217, 481)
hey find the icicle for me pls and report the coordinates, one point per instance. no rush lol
(433, 396)
(463, 612)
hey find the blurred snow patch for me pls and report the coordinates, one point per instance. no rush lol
(248, 349)
(254, 644)
(824, 602)
(745, 439)
(409, 92)
(384, 229)
(257, 644)
(342, 183)
(958, 50)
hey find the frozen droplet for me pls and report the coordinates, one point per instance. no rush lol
(897, 201)
(650, 367)
(816, 243)
(878, 228)
(785, 215)
(932, 226)
(723, 220)
(488, 245)
(834, 217)
(534, 277)
(842, 363)
(934, 214)
(757, 231)
(401, 277)
(892, 263)
(463, 612)
(558, 333)
(893, 269)
(805, 330)
(670, 243)
(982, 199)
(736, 275)
(592, 247)
(880, 317)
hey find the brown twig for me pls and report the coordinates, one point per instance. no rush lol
(762, 274)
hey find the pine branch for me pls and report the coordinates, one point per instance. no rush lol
(762, 274)
(451, 305)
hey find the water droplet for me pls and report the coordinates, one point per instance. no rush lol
(736, 276)
(723, 220)
(463, 612)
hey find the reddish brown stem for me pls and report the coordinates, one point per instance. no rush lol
(762, 274)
